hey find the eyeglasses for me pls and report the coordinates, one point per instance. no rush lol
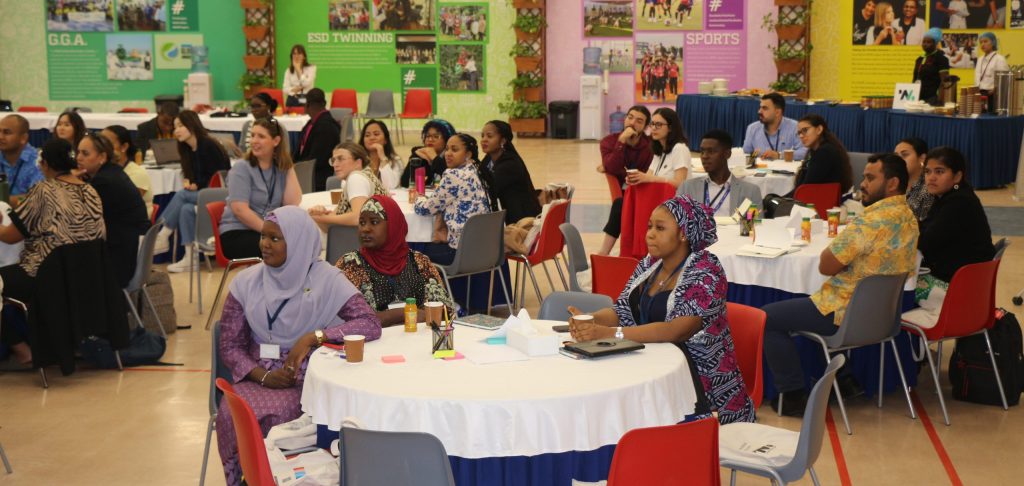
(803, 131)
(432, 136)
(657, 125)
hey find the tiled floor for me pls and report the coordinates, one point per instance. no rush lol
(147, 426)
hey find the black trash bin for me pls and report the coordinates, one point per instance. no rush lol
(565, 119)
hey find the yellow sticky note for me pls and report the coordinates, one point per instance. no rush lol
(444, 354)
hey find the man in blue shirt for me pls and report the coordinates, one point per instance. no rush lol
(773, 133)
(19, 164)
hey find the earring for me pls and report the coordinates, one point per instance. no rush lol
(956, 187)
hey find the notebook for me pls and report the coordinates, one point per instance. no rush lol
(603, 347)
(481, 321)
(165, 151)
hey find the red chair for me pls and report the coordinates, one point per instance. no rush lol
(547, 247)
(252, 453)
(345, 98)
(823, 196)
(638, 203)
(609, 274)
(156, 210)
(32, 109)
(418, 105)
(216, 181)
(614, 188)
(746, 324)
(673, 455)
(133, 110)
(967, 310)
(216, 210)
(277, 94)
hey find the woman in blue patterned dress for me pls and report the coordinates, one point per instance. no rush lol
(461, 194)
(677, 295)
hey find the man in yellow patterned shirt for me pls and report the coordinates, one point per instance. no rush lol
(882, 242)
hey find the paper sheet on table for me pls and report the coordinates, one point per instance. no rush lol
(482, 353)
(725, 221)
(521, 319)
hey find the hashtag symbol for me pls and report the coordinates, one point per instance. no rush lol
(409, 77)
(714, 5)
(178, 7)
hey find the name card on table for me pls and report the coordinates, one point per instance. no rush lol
(904, 93)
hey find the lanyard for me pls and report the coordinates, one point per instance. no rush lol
(646, 300)
(924, 59)
(305, 136)
(984, 68)
(17, 170)
(709, 202)
(768, 138)
(272, 319)
(269, 185)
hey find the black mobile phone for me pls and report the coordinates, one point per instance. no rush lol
(562, 328)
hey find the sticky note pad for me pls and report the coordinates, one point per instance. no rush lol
(444, 354)
(458, 355)
(496, 340)
(394, 358)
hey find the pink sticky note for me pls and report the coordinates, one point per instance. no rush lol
(394, 358)
(458, 355)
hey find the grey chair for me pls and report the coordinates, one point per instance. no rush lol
(374, 458)
(217, 370)
(485, 254)
(344, 118)
(858, 160)
(738, 441)
(381, 105)
(1000, 247)
(143, 265)
(204, 231)
(333, 183)
(7, 464)
(341, 240)
(872, 317)
(223, 178)
(577, 260)
(555, 305)
(304, 172)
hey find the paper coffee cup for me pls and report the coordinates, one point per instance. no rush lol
(335, 197)
(354, 348)
(787, 155)
(583, 318)
(434, 312)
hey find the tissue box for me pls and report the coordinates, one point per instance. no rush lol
(534, 341)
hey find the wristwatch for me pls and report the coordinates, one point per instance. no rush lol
(619, 334)
(320, 337)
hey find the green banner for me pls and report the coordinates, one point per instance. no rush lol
(184, 15)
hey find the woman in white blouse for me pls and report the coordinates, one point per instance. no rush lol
(988, 65)
(671, 162)
(386, 163)
(299, 78)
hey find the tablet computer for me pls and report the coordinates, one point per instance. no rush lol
(604, 347)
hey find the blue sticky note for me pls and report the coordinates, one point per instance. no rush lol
(496, 340)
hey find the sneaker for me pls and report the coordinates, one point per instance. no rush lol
(161, 246)
(793, 403)
(182, 265)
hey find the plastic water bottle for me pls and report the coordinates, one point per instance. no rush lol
(617, 120)
(410, 315)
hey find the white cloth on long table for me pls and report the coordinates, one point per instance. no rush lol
(523, 408)
(131, 121)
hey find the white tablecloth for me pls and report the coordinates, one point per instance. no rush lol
(768, 184)
(523, 408)
(794, 272)
(164, 180)
(9, 254)
(131, 121)
(421, 228)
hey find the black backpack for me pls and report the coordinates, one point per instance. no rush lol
(970, 368)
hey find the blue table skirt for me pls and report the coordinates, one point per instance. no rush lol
(990, 143)
(863, 361)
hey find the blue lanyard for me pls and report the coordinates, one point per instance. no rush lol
(269, 185)
(272, 319)
(768, 138)
(646, 300)
(708, 202)
(17, 170)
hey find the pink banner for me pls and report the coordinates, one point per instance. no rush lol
(718, 54)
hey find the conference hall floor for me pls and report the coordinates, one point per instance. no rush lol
(147, 425)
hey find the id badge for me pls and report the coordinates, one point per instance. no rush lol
(270, 351)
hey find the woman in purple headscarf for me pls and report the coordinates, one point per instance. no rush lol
(275, 315)
(677, 295)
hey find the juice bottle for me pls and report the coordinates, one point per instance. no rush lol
(805, 230)
(410, 315)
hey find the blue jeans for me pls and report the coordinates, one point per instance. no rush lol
(783, 317)
(181, 215)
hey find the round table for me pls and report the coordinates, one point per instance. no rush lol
(795, 272)
(541, 405)
(421, 228)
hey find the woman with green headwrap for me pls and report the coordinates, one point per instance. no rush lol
(932, 67)
(988, 65)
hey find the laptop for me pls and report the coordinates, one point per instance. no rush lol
(603, 347)
(165, 151)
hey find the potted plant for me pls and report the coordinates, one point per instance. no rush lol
(789, 59)
(526, 4)
(792, 3)
(525, 56)
(254, 4)
(790, 27)
(528, 87)
(525, 116)
(251, 84)
(255, 30)
(256, 58)
(788, 84)
(528, 27)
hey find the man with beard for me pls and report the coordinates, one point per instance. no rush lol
(773, 133)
